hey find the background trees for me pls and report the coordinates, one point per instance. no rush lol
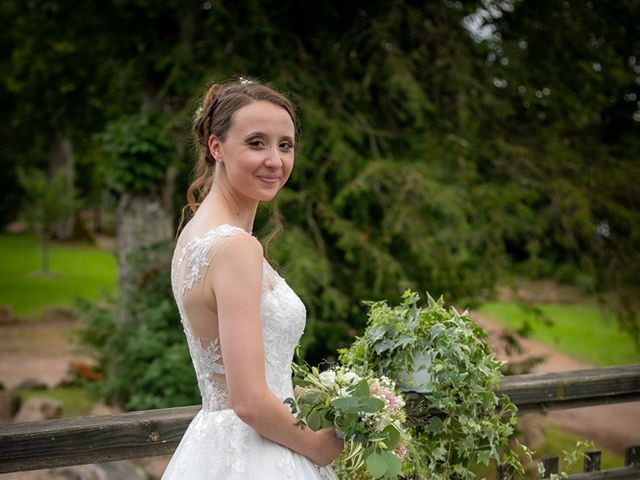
(432, 156)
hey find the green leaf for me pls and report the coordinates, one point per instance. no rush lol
(393, 437)
(358, 404)
(317, 419)
(434, 425)
(310, 397)
(376, 465)
(361, 389)
(394, 464)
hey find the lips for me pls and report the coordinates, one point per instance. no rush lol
(270, 179)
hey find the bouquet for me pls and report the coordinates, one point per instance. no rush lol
(366, 411)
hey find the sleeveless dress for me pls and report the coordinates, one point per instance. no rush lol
(218, 445)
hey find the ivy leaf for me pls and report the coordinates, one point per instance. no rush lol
(484, 456)
(383, 346)
(434, 425)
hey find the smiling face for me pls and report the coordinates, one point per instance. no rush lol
(255, 158)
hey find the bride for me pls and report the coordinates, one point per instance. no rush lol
(241, 320)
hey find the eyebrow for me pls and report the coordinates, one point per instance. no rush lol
(263, 134)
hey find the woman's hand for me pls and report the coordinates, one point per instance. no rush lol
(328, 447)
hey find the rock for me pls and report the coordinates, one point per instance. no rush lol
(7, 315)
(39, 408)
(9, 405)
(32, 384)
(154, 466)
(123, 470)
(58, 314)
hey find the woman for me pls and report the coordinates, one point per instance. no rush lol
(241, 319)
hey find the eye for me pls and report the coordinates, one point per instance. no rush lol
(286, 146)
(257, 144)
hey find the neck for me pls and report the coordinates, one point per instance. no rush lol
(221, 203)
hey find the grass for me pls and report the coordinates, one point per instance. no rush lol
(76, 401)
(558, 443)
(582, 331)
(76, 271)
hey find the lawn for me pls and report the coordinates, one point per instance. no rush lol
(580, 330)
(558, 443)
(76, 271)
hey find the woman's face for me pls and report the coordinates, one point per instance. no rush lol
(257, 153)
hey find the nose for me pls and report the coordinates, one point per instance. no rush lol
(273, 158)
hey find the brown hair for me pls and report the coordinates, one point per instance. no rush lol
(213, 117)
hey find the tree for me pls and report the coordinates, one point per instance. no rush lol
(48, 200)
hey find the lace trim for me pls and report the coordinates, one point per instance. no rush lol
(199, 248)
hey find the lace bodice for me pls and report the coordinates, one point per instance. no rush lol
(283, 318)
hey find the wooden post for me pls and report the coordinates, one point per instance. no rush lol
(592, 461)
(505, 471)
(632, 456)
(551, 465)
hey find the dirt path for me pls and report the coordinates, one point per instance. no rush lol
(611, 426)
(39, 350)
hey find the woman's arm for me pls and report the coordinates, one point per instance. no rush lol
(237, 283)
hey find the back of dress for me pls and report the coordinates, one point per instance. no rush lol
(217, 445)
(283, 318)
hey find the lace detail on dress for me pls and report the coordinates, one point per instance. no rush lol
(190, 262)
(198, 249)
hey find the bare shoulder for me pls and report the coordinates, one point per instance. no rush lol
(240, 253)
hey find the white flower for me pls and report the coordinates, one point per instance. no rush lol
(350, 378)
(328, 378)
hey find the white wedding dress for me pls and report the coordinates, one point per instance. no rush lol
(218, 445)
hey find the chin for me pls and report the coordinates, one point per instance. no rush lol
(267, 197)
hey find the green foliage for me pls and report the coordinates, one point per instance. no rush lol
(48, 199)
(474, 425)
(430, 158)
(140, 150)
(146, 360)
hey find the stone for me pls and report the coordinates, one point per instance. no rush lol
(39, 408)
(32, 384)
(122, 470)
(9, 405)
(7, 315)
(58, 314)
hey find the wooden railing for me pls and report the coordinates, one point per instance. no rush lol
(77, 441)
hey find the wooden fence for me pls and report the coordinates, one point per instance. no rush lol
(78, 441)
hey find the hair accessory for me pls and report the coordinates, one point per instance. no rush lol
(198, 111)
(245, 81)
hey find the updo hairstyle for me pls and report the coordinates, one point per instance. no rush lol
(214, 116)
